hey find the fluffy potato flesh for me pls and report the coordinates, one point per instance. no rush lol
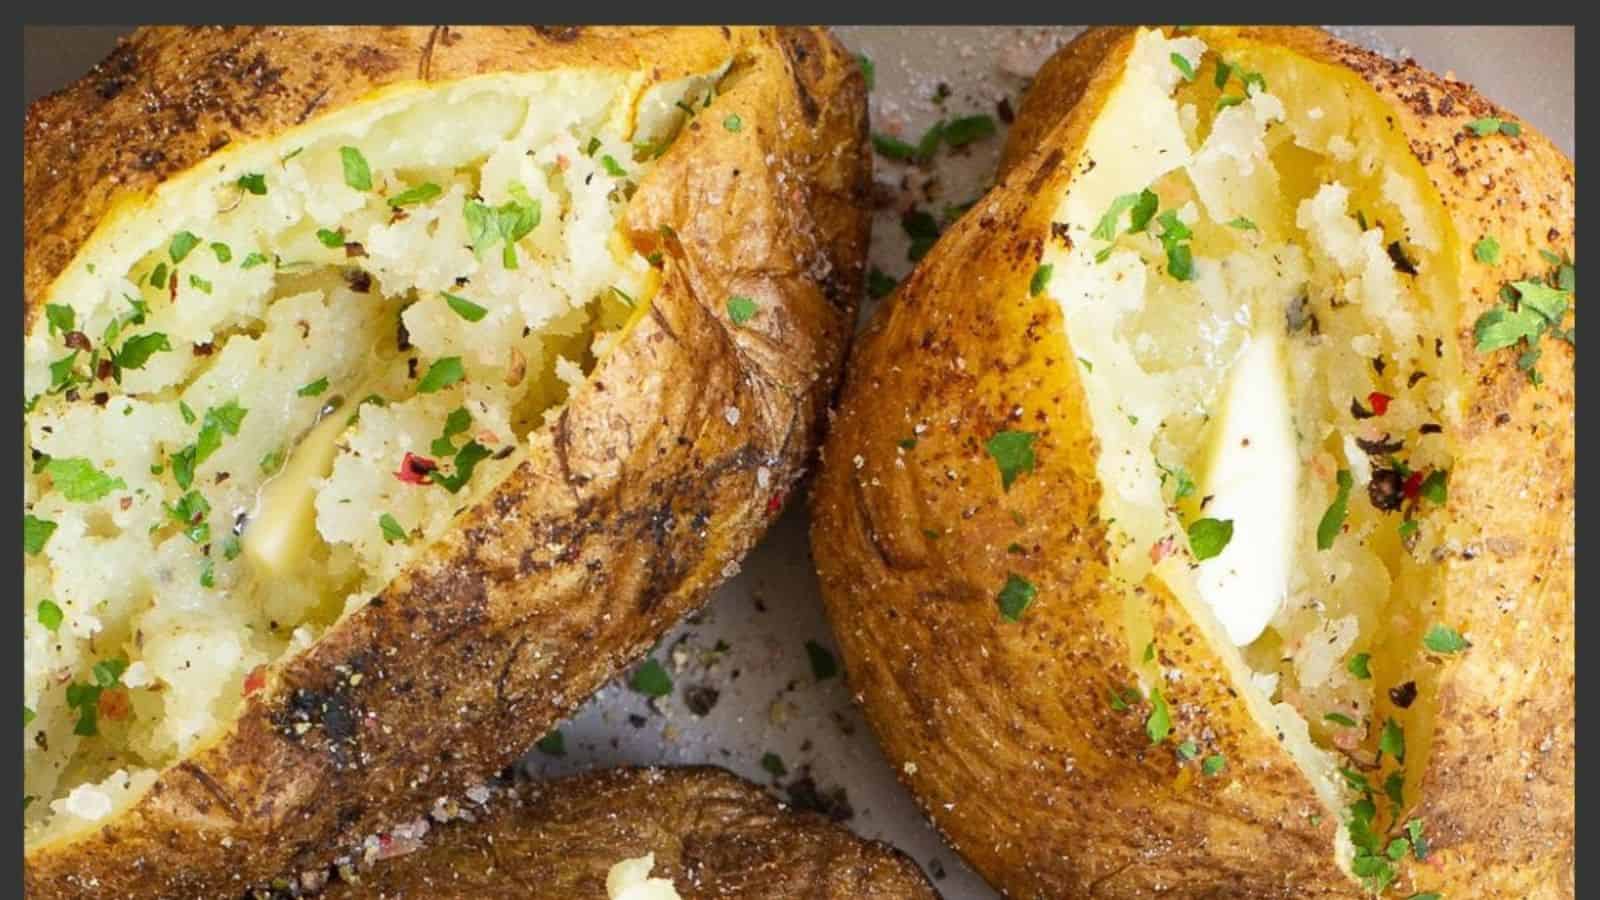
(1253, 286)
(253, 400)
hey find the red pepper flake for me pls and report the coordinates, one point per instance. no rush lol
(1379, 402)
(114, 705)
(1413, 486)
(103, 370)
(414, 469)
(775, 502)
(76, 340)
(1161, 549)
(255, 681)
(172, 286)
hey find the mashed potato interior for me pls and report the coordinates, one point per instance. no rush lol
(630, 879)
(1254, 284)
(254, 397)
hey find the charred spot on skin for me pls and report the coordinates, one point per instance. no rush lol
(1403, 695)
(1386, 490)
(560, 33)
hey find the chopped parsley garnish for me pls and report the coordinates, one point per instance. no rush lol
(330, 238)
(223, 252)
(1174, 234)
(1490, 125)
(510, 222)
(1333, 518)
(61, 318)
(612, 167)
(208, 574)
(1182, 64)
(651, 679)
(186, 412)
(773, 764)
(465, 308)
(1243, 224)
(1360, 666)
(231, 547)
(1040, 280)
(1224, 71)
(868, 70)
(1209, 537)
(1159, 724)
(1435, 487)
(1188, 750)
(190, 511)
(422, 193)
(1016, 595)
(741, 309)
(441, 374)
(893, 148)
(137, 350)
(733, 123)
(50, 615)
(1444, 639)
(1339, 719)
(357, 174)
(1227, 100)
(199, 284)
(36, 533)
(182, 243)
(879, 285)
(28, 715)
(467, 459)
(79, 481)
(158, 275)
(255, 183)
(253, 260)
(392, 530)
(552, 744)
(1122, 700)
(456, 423)
(966, 129)
(1144, 200)
(1394, 787)
(1013, 454)
(823, 665)
(1214, 764)
(922, 229)
(1182, 484)
(1486, 250)
(272, 460)
(315, 388)
(219, 420)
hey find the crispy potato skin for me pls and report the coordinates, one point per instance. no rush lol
(713, 833)
(1005, 731)
(630, 508)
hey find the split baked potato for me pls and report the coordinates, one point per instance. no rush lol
(627, 834)
(389, 389)
(1198, 516)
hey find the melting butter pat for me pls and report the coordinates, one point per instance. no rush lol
(630, 880)
(283, 528)
(1251, 476)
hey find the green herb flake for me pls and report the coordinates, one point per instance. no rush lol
(1159, 723)
(1181, 63)
(1214, 764)
(611, 166)
(741, 309)
(465, 308)
(966, 129)
(199, 284)
(1227, 100)
(1208, 537)
(1485, 126)
(1040, 280)
(1360, 666)
(28, 715)
(315, 388)
(330, 238)
(1444, 639)
(1015, 596)
(1243, 224)
(1339, 719)
(422, 193)
(50, 615)
(61, 318)
(1182, 485)
(36, 532)
(879, 285)
(79, 481)
(158, 276)
(868, 70)
(772, 763)
(357, 174)
(1107, 228)
(1224, 71)
(651, 679)
(1333, 517)
(1013, 454)
(231, 547)
(1188, 750)
(1435, 487)
(441, 374)
(253, 260)
(254, 182)
(552, 744)
(137, 350)
(1486, 251)
(272, 460)
(182, 243)
(467, 459)
(923, 230)
(1394, 787)
(733, 123)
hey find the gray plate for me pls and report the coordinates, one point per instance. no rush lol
(767, 698)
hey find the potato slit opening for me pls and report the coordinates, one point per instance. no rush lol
(257, 394)
(1264, 270)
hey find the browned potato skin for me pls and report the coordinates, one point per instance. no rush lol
(1005, 732)
(628, 511)
(714, 834)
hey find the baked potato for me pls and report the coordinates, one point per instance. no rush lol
(388, 389)
(1197, 519)
(630, 834)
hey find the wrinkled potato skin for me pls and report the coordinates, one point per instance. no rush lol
(629, 509)
(714, 834)
(1004, 731)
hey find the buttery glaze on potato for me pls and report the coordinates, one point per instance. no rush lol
(387, 393)
(710, 833)
(1198, 515)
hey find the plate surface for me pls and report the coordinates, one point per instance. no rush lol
(746, 692)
